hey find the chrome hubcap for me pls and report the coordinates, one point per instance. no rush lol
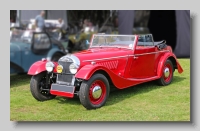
(96, 92)
(166, 72)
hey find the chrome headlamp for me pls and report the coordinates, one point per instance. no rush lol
(49, 66)
(73, 68)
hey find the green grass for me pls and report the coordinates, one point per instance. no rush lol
(145, 102)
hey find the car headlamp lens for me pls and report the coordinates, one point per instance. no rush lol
(73, 68)
(49, 66)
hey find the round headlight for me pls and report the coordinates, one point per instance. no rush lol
(73, 68)
(49, 66)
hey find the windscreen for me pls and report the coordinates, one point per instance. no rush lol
(122, 41)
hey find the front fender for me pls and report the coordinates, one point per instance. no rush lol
(87, 71)
(39, 67)
(162, 62)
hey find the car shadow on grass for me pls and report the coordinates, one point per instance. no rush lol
(119, 95)
(178, 79)
(19, 79)
(73, 101)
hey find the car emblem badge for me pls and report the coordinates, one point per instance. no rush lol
(59, 68)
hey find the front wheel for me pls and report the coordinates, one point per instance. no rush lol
(38, 87)
(167, 75)
(94, 92)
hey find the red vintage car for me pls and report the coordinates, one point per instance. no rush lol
(119, 61)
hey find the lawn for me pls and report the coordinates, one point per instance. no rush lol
(145, 102)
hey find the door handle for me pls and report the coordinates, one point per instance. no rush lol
(135, 57)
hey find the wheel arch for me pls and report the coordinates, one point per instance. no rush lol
(173, 60)
(167, 73)
(87, 71)
(100, 71)
(39, 67)
(52, 52)
(57, 53)
(95, 92)
(35, 88)
(103, 72)
(176, 64)
(86, 74)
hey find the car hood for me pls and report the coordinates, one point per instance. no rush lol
(101, 53)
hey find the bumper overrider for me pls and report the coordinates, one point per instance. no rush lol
(66, 70)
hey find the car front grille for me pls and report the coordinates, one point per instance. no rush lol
(65, 66)
(65, 77)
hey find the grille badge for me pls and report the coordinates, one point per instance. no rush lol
(59, 68)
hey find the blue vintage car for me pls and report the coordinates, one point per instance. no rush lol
(27, 47)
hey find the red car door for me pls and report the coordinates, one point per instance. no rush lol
(143, 60)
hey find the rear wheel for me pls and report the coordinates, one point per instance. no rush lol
(94, 92)
(167, 75)
(38, 87)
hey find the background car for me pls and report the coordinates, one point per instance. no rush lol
(27, 47)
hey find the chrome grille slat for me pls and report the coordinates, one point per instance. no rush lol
(65, 66)
(65, 78)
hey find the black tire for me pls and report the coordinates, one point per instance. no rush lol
(85, 96)
(36, 82)
(56, 57)
(166, 80)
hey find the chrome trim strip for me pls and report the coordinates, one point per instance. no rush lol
(143, 79)
(105, 58)
(112, 47)
(124, 56)
(150, 53)
(111, 35)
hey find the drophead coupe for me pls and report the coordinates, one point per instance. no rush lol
(119, 61)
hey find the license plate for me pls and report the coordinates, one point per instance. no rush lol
(62, 88)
